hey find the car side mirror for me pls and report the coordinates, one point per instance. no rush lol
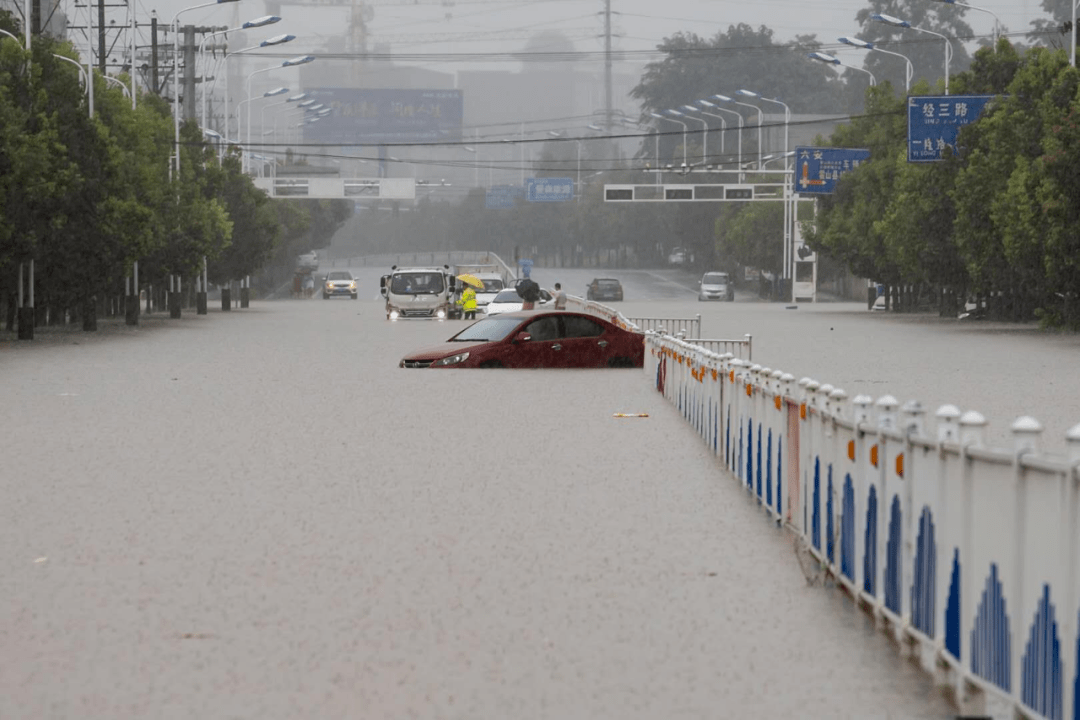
(383, 291)
(522, 337)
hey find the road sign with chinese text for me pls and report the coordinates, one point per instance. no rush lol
(818, 168)
(502, 196)
(934, 122)
(549, 189)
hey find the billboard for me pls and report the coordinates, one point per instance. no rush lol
(375, 116)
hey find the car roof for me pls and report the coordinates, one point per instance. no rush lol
(605, 280)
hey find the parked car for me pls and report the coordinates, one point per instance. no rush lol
(604, 289)
(538, 339)
(339, 282)
(716, 286)
(509, 301)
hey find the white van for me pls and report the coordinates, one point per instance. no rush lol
(418, 292)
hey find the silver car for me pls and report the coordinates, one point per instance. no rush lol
(716, 286)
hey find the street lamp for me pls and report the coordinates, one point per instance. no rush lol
(704, 134)
(269, 42)
(833, 60)
(663, 117)
(577, 187)
(787, 110)
(256, 23)
(723, 126)
(176, 72)
(856, 42)
(291, 62)
(736, 113)
(725, 98)
(262, 112)
(997, 20)
(897, 22)
(656, 142)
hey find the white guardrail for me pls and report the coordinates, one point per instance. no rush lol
(967, 554)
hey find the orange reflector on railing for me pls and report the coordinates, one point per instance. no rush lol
(749, 390)
(900, 464)
(802, 411)
(778, 402)
(714, 374)
(873, 455)
(731, 376)
(851, 449)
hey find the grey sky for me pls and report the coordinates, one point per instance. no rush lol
(641, 24)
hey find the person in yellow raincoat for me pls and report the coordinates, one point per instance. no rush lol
(467, 301)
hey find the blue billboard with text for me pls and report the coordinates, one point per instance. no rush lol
(375, 116)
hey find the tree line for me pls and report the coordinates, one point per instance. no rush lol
(85, 197)
(996, 221)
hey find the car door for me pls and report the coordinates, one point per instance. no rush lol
(543, 349)
(585, 342)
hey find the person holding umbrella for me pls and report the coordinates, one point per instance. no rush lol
(467, 301)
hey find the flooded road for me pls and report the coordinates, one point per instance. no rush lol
(258, 515)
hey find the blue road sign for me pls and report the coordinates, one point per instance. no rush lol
(818, 168)
(934, 122)
(549, 189)
(502, 196)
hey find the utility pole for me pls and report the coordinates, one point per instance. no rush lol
(153, 53)
(607, 65)
(101, 36)
(188, 107)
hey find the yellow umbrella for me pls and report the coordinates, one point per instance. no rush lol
(471, 280)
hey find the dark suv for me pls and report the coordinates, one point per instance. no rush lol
(604, 289)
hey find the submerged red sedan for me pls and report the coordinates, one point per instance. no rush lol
(555, 339)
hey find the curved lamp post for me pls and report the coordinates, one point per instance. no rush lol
(683, 111)
(656, 142)
(256, 23)
(997, 20)
(269, 42)
(725, 98)
(723, 124)
(736, 113)
(897, 22)
(176, 73)
(833, 60)
(856, 42)
(684, 126)
(291, 62)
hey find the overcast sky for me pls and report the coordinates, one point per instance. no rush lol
(639, 24)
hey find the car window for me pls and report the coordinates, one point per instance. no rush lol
(608, 283)
(491, 286)
(415, 283)
(715, 279)
(508, 296)
(545, 328)
(488, 329)
(577, 326)
(339, 276)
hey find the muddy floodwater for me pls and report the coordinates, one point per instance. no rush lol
(257, 514)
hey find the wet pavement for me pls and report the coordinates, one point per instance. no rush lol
(258, 515)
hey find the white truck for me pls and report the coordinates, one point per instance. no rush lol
(493, 277)
(418, 292)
